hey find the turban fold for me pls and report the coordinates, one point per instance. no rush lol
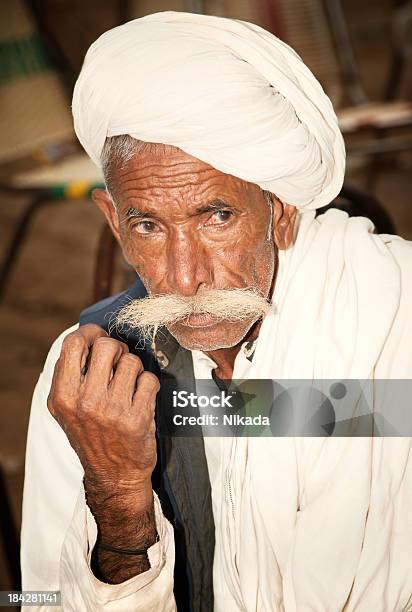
(226, 92)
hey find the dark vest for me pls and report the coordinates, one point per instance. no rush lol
(180, 478)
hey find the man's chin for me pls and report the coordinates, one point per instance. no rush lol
(212, 337)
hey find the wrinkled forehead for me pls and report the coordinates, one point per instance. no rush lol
(158, 170)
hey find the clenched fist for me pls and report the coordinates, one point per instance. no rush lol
(105, 403)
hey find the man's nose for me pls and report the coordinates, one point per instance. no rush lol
(188, 266)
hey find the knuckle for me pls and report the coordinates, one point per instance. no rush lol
(59, 404)
(87, 403)
(131, 360)
(149, 381)
(105, 343)
(93, 329)
(73, 341)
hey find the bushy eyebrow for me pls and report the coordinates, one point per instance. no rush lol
(135, 213)
(213, 206)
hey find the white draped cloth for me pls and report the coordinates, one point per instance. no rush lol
(316, 523)
(313, 523)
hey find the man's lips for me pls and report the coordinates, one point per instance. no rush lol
(200, 320)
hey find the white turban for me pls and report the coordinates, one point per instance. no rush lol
(226, 92)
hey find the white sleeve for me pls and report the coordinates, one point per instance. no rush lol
(59, 531)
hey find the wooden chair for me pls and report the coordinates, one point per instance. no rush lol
(319, 32)
(37, 128)
(357, 203)
(9, 537)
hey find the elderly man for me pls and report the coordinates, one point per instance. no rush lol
(217, 145)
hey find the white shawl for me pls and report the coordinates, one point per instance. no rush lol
(315, 523)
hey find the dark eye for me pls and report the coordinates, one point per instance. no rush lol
(219, 217)
(145, 227)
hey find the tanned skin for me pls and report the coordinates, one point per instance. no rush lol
(182, 225)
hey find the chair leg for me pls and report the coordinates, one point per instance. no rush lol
(17, 240)
(104, 265)
(9, 537)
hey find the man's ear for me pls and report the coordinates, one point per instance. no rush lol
(103, 200)
(284, 218)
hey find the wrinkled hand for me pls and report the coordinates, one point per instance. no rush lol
(105, 402)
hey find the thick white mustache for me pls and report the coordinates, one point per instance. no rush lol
(147, 314)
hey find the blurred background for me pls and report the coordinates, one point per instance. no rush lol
(56, 255)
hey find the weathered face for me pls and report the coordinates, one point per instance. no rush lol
(186, 227)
